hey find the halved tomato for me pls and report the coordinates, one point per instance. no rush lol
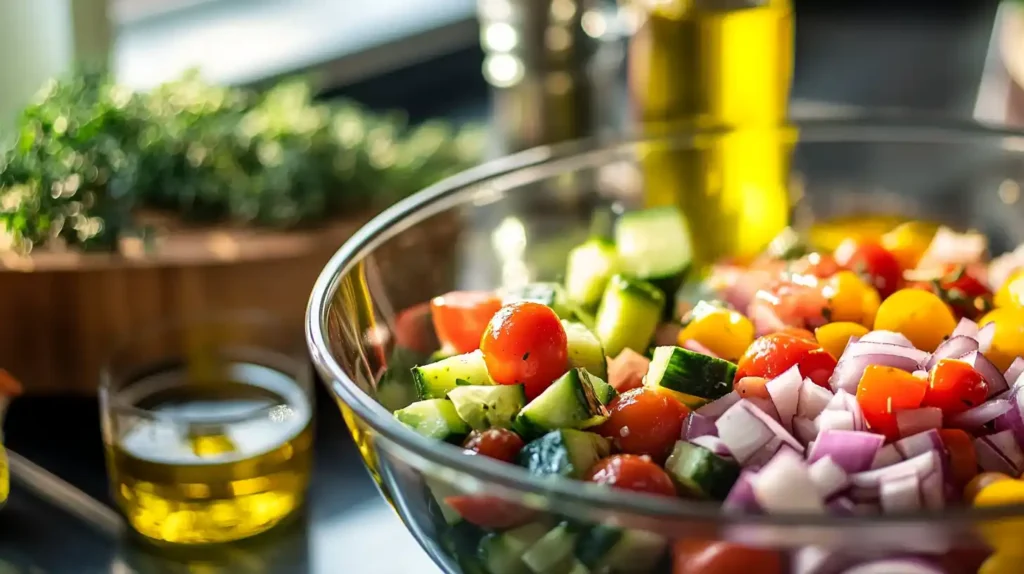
(461, 317)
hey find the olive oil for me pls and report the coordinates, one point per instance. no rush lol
(213, 461)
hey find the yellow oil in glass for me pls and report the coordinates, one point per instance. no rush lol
(214, 462)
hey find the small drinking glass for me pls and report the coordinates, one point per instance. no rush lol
(208, 428)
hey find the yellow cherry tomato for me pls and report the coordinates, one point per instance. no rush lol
(908, 242)
(979, 482)
(851, 298)
(724, 332)
(1008, 341)
(1001, 563)
(1011, 292)
(1002, 535)
(833, 337)
(919, 315)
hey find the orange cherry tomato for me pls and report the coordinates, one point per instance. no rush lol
(644, 421)
(883, 391)
(490, 511)
(706, 557)
(820, 265)
(771, 355)
(460, 318)
(524, 343)
(874, 263)
(752, 387)
(963, 460)
(501, 444)
(954, 386)
(632, 472)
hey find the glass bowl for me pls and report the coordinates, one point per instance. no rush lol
(515, 219)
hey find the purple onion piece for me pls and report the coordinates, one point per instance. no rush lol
(985, 336)
(888, 338)
(979, 416)
(741, 495)
(951, 348)
(914, 421)
(835, 420)
(851, 367)
(921, 465)
(918, 444)
(784, 391)
(745, 429)
(853, 451)
(896, 566)
(829, 477)
(1014, 371)
(965, 328)
(712, 443)
(991, 460)
(766, 406)
(1007, 445)
(696, 347)
(900, 494)
(805, 430)
(886, 456)
(813, 399)
(785, 485)
(933, 492)
(715, 408)
(1013, 418)
(697, 425)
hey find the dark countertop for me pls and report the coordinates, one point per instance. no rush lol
(888, 59)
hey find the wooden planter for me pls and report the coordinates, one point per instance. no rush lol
(61, 313)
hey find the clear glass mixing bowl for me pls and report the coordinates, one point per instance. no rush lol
(515, 219)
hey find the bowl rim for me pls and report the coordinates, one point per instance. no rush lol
(851, 127)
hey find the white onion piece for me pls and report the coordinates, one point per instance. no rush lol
(715, 408)
(712, 443)
(887, 337)
(992, 375)
(834, 420)
(921, 465)
(745, 429)
(977, 417)
(741, 495)
(1006, 444)
(1014, 371)
(785, 485)
(805, 430)
(965, 328)
(913, 421)
(918, 444)
(785, 393)
(900, 494)
(813, 399)
(896, 566)
(851, 367)
(766, 406)
(951, 348)
(829, 477)
(886, 456)
(697, 425)
(985, 337)
(853, 451)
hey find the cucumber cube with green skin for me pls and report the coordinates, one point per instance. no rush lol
(590, 266)
(436, 380)
(700, 472)
(694, 377)
(434, 418)
(654, 245)
(585, 350)
(502, 553)
(569, 402)
(602, 390)
(553, 553)
(565, 452)
(549, 294)
(609, 549)
(629, 315)
(488, 406)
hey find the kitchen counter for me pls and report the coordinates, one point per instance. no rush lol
(890, 60)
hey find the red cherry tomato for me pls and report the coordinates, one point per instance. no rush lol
(954, 386)
(691, 556)
(489, 511)
(961, 290)
(460, 318)
(772, 355)
(632, 472)
(820, 265)
(501, 444)
(883, 391)
(413, 329)
(963, 458)
(644, 421)
(525, 344)
(874, 263)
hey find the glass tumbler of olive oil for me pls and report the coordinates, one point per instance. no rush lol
(208, 428)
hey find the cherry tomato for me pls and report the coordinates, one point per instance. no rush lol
(632, 472)
(772, 355)
(961, 290)
(873, 262)
(460, 318)
(413, 329)
(501, 444)
(524, 343)
(795, 300)
(883, 391)
(979, 482)
(752, 387)
(644, 421)
(490, 511)
(626, 372)
(963, 459)
(705, 557)
(954, 386)
(799, 333)
(820, 265)
(9, 386)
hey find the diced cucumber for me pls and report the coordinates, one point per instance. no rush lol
(434, 418)
(435, 380)
(553, 553)
(396, 389)
(503, 553)
(550, 294)
(487, 406)
(590, 266)
(439, 491)
(628, 316)
(700, 472)
(694, 378)
(565, 452)
(610, 549)
(577, 567)
(569, 402)
(602, 390)
(440, 355)
(585, 349)
(654, 245)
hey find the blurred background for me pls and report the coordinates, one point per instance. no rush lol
(428, 87)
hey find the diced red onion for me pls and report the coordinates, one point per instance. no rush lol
(853, 451)
(764, 318)
(1013, 418)
(965, 328)
(913, 421)
(985, 337)
(696, 347)
(951, 348)
(844, 401)
(715, 408)
(977, 417)
(921, 465)
(933, 495)
(813, 399)
(834, 420)
(766, 406)
(842, 506)
(990, 459)
(745, 429)
(992, 375)
(1014, 371)
(785, 393)
(785, 485)
(712, 443)
(852, 364)
(918, 444)
(741, 495)
(697, 425)
(896, 566)
(1007, 445)
(805, 430)
(764, 454)
(902, 494)
(886, 456)
(829, 477)
(860, 494)
(887, 337)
